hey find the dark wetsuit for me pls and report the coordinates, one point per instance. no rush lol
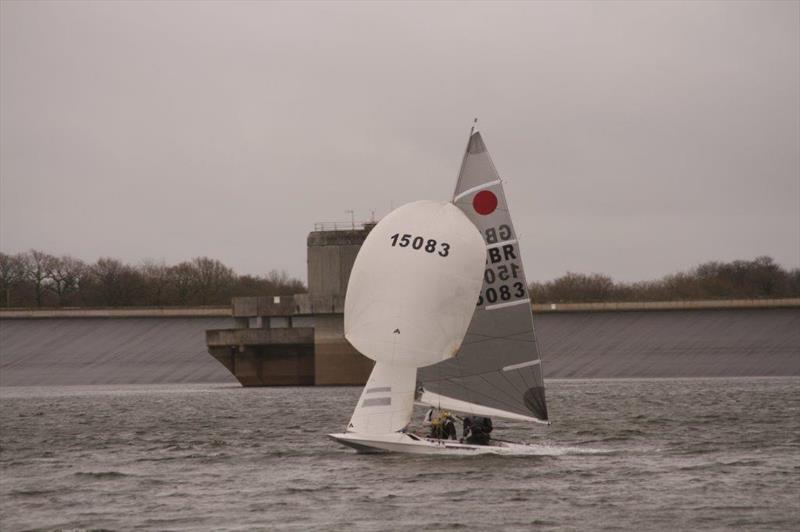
(477, 429)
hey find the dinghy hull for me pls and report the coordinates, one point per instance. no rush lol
(400, 442)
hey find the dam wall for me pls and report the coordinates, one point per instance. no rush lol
(670, 343)
(576, 343)
(120, 350)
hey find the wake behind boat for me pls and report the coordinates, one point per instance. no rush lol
(411, 307)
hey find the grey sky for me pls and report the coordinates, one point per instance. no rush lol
(637, 139)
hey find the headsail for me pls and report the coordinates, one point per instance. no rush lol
(498, 365)
(409, 303)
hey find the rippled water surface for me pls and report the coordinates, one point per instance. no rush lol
(706, 454)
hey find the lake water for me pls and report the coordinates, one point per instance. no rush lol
(700, 454)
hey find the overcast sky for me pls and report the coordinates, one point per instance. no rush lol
(636, 139)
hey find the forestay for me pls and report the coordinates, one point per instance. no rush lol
(410, 299)
(497, 370)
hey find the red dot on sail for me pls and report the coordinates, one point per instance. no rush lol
(484, 202)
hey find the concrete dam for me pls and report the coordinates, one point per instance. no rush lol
(299, 340)
(727, 342)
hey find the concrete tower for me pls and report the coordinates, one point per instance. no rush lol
(299, 339)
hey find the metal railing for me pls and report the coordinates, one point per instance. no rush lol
(340, 226)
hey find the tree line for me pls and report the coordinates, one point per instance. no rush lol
(739, 279)
(38, 279)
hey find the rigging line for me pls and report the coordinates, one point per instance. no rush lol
(438, 377)
(439, 371)
(538, 352)
(535, 361)
(513, 399)
(506, 375)
(521, 372)
(461, 371)
(439, 366)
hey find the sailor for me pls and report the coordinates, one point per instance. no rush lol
(442, 424)
(477, 429)
(448, 427)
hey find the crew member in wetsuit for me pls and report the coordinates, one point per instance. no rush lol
(442, 425)
(476, 430)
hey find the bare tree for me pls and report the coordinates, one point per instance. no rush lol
(36, 265)
(579, 287)
(760, 277)
(278, 278)
(211, 279)
(117, 284)
(281, 284)
(12, 272)
(65, 275)
(156, 277)
(182, 282)
(793, 283)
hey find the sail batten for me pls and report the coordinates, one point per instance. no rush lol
(477, 188)
(498, 366)
(522, 365)
(506, 305)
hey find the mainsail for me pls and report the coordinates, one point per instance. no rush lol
(497, 370)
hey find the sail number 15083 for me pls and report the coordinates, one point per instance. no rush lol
(417, 242)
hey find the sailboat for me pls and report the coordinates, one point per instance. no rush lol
(438, 298)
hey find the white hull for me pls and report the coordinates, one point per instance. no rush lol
(400, 442)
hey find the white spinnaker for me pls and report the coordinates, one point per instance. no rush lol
(414, 284)
(410, 299)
